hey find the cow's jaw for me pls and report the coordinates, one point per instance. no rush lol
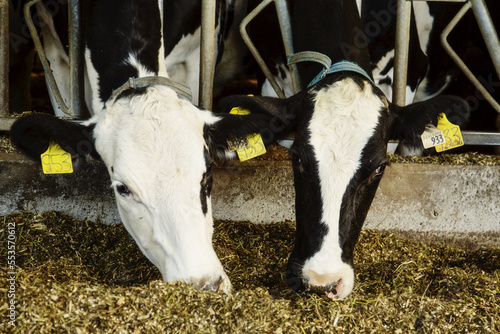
(156, 155)
(344, 119)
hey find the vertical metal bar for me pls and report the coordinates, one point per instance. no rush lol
(75, 59)
(207, 59)
(401, 52)
(51, 81)
(4, 57)
(488, 31)
(286, 33)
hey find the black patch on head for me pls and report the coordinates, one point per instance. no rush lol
(308, 203)
(206, 182)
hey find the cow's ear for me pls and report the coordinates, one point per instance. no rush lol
(409, 122)
(32, 134)
(272, 118)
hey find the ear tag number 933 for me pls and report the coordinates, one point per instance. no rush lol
(252, 147)
(443, 137)
(56, 160)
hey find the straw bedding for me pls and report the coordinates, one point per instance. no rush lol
(82, 277)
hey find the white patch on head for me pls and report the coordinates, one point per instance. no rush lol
(142, 71)
(344, 119)
(183, 62)
(381, 79)
(153, 143)
(359, 4)
(422, 90)
(286, 84)
(424, 21)
(91, 95)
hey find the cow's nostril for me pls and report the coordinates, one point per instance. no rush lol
(208, 285)
(330, 289)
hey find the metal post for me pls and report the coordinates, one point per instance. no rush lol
(286, 33)
(488, 31)
(207, 59)
(401, 52)
(75, 59)
(4, 58)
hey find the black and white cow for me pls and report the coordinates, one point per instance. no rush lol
(343, 123)
(156, 145)
(431, 70)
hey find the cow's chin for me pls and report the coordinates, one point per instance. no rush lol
(335, 285)
(183, 254)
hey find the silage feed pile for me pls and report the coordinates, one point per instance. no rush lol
(83, 277)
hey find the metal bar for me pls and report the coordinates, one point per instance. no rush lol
(43, 59)
(286, 33)
(253, 49)
(403, 18)
(488, 31)
(4, 57)
(481, 138)
(207, 59)
(459, 61)
(75, 59)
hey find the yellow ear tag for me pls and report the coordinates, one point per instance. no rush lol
(56, 160)
(254, 145)
(451, 132)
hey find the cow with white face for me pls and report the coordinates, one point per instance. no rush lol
(343, 124)
(156, 145)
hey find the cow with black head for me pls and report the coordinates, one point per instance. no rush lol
(343, 123)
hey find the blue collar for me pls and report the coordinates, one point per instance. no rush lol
(341, 66)
(328, 68)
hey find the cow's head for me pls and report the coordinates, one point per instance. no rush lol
(339, 157)
(158, 150)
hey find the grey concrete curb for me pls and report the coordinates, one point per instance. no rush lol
(431, 201)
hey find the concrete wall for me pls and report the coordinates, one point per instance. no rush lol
(457, 203)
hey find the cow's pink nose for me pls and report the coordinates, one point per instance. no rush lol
(213, 285)
(334, 285)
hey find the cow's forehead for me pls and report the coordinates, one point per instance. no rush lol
(152, 136)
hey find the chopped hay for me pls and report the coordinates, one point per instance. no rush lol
(81, 277)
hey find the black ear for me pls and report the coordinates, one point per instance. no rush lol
(32, 135)
(272, 118)
(409, 122)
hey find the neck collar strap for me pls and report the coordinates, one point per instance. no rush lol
(328, 68)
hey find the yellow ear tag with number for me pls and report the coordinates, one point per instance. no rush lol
(56, 160)
(451, 132)
(253, 147)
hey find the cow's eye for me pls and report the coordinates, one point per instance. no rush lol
(380, 169)
(378, 172)
(123, 190)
